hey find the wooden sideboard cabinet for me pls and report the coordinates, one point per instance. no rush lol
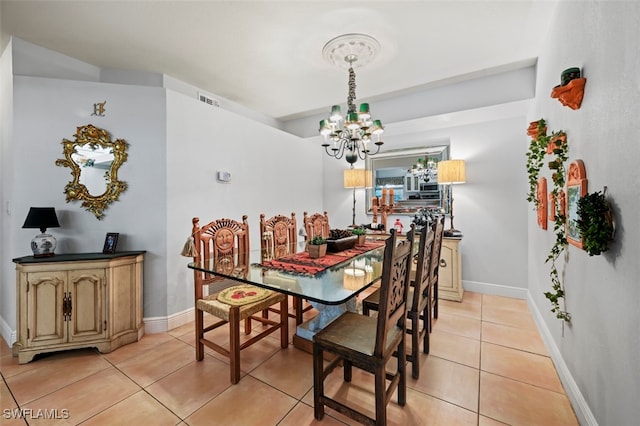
(449, 273)
(71, 301)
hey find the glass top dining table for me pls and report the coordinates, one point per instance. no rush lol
(335, 285)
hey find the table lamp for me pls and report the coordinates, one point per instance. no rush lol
(451, 172)
(44, 244)
(356, 178)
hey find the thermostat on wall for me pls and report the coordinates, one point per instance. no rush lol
(224, 177)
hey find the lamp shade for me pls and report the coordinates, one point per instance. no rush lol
(357, 178)
(43, 245)
(41, 218)
(451, 171)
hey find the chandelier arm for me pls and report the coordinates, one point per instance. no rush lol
(377, 151)
(339, 152)
(362, 154)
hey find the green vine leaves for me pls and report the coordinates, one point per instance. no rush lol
(595, 222)
(540, 146)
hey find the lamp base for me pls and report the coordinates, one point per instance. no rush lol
(452, 233)
(43, 245)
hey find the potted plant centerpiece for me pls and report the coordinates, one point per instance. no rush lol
(317, 247)
(361, 233)
(340, 239)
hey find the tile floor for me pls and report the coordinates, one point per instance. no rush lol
(487, 366)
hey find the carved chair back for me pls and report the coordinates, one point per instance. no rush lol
(278, 236)
(316, 224)
(223, 245)
(394, 288)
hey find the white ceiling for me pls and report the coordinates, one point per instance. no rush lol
(267, 55)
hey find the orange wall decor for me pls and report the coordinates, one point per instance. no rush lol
(542, 203)
(570, 95)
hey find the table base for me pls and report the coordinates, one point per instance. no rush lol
(327, 313)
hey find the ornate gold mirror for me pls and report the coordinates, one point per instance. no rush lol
(94, 161)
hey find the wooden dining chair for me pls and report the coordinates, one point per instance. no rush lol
(419, 302)
(316, 224)
(434, 269)
(279, 237)
(369, 343)
(223, 245)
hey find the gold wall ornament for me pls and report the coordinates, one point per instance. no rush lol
(94, 161)
(98, 109)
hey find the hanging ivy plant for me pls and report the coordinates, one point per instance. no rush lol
(535, 158)
(556, 145)
(560, 149)
(595, 223)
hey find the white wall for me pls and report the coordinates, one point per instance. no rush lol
(46, 111)
(272, 172)
(7, 299)
(601, 347)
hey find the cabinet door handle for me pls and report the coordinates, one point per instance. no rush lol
(443, 263)
(65, 306)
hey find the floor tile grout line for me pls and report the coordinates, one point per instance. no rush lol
(10, 391)
(524, 383)
(60, 388)
(480, 359)
(144, 389)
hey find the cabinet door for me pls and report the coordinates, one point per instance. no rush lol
(46, 320)
(87, 288)
(445, 270)
(125, 299)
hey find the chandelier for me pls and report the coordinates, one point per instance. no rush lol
(353, 135)
(425, 169)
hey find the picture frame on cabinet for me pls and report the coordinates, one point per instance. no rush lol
(110, 243)
(576, 189)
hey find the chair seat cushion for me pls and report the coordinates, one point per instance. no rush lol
(242, 295)
(212, 305)
(354, 332)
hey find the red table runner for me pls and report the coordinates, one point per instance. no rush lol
(302, 264)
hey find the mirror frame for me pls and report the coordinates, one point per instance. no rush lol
(95, 137)
(440, 149)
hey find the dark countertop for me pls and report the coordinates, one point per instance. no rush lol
(66, 257)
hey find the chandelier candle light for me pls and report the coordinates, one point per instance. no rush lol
(451, 172)
(351, 136)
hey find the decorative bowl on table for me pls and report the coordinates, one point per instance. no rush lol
(340, 239)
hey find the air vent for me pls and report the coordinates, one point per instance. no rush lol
(208, 99)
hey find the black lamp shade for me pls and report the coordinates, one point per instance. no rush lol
(41, 218)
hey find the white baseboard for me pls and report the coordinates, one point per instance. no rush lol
(10, 336)
(495, 289)
(580, 406)
(162, 324)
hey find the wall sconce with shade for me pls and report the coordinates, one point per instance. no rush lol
(357, 178)
(451, 172)
(44, 244)
(353, 135)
